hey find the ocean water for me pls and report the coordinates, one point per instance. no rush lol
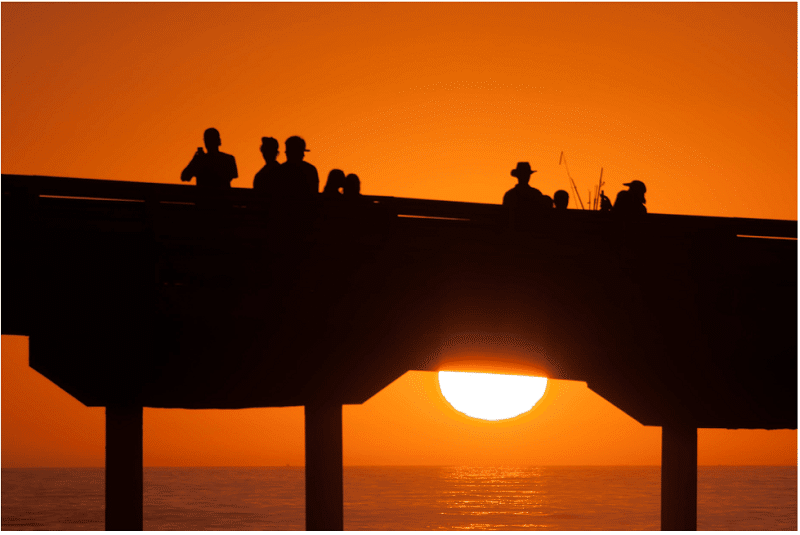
(406, 498)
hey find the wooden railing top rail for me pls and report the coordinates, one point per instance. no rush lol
(181, 193)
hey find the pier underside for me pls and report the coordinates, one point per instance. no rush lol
(134, 296)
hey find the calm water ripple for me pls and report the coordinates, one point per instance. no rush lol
(406, 498)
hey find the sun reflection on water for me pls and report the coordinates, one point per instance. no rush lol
(493, 493)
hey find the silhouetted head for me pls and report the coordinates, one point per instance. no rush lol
(561, 199)
(295, 149)
(352, 185)
(212, 139)
(547, 201)
(335, 181)
(638, 189)
(523, 172)
(269, 148)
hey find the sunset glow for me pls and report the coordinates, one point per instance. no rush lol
(421, 100)
(491, 396)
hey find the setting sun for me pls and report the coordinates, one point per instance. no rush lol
(491, 396)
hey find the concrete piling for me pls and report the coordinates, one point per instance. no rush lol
(324, 480)
(124, 470)
(679, 477)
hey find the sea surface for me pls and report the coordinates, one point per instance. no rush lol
(406, 498)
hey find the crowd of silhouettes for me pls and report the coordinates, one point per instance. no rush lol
(295, 183)
(286, 186)
(525, 203)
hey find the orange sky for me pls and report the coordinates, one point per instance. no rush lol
(421, 100)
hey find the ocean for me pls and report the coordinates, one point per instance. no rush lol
(406, 498)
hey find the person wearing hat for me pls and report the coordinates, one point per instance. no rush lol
(522, 201)
(213, 169)
(299, 180)
(631, 201)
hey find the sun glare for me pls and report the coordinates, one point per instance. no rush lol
(491, 396)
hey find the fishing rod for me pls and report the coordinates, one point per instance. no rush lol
(598, 192)
(574, 187)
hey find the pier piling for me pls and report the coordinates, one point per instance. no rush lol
(679, 477)
(324, 481)
(124, 476)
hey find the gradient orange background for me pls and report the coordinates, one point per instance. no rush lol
(421, 100)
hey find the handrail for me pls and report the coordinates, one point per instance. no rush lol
(182, 193)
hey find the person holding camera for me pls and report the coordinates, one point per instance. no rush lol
(213, 169)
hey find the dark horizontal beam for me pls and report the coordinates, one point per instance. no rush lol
(178, 193)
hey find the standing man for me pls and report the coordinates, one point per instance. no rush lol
(214, 169)
(522, 201)
(299, 180)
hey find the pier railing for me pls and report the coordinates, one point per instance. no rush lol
(480, 213)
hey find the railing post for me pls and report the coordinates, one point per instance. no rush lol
(678, 477)
(124, 475)
(324, 479)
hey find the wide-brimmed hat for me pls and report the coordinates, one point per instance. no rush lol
(522, 167)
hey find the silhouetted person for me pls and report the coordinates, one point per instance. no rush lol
(547, 202)
(522, 201)
(561, 199)
(605, 203)
(213, 169)
(299, 179)
(335, 182)
(631, 201)
(266, 180)
(352, 186)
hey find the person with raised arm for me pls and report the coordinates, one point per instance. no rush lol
(212, 168)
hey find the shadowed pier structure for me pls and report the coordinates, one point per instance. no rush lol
(140, 295)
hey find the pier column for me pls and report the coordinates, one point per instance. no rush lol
(124, 476)
(678, 477)
(324, 482)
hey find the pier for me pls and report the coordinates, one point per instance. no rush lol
(141, 295)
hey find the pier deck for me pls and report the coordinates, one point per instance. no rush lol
(143, 295)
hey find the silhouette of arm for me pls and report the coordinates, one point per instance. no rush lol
(190, 172)
(194, 166)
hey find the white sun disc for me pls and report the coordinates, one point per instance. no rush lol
(491, 396)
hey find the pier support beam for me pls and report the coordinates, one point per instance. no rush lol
(324, 481)
(124, 476)
(678, 478)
